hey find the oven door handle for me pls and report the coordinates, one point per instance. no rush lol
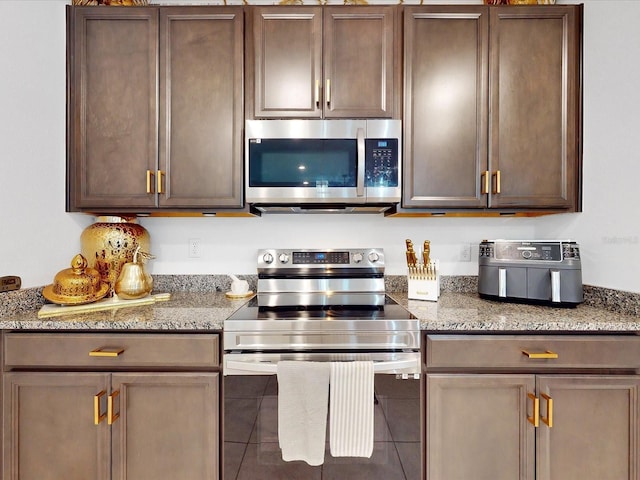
(361, 162)
(272, 367)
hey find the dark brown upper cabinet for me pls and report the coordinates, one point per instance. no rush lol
(324, 62)
(493, 115)
(155, 108)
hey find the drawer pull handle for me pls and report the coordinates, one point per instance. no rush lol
(546, 354)
(535, 418)
(111, 416)
(106, 352)
(97, 416)
(548, 420)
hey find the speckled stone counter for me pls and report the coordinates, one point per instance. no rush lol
(453, 312)
(468, 312)
(184, 311)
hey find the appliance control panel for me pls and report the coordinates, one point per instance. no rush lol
(381, 162)
(529, 250)
(320, 258)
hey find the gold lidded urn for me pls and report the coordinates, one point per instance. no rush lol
(111, 242)
(77, 285)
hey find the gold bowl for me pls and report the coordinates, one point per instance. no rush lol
(76, 285)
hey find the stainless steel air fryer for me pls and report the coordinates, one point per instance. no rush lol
(535, 271)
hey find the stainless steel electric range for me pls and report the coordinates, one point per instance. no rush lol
(321, 305)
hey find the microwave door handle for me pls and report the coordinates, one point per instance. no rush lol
(361, 163)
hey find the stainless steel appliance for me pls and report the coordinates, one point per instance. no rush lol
(536, 271)
(322, 305)
(323, 165)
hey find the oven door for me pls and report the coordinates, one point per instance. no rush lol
(251, 448)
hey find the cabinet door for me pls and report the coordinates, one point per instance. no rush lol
(476, 427)
(445, 120)
(112, 107)
(201, 107)
(288, 79)
(595, 428)
(535, 101)
(49, 431)
(168, 426)
(359, 62)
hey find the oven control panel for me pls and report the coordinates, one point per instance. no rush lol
(320, 258)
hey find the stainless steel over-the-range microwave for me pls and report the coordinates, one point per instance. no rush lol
(322, 163)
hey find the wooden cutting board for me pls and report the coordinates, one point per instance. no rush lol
(52, 310)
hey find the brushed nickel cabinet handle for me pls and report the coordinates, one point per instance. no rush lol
(317, 93)
(535, 418)
(106, 352)
(111, 416)
(548, 420)
(97, 416)
(547, 354)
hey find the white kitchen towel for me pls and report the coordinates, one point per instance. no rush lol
(351, 409)
(303, 397)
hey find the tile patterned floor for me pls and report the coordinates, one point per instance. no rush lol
(251, 442)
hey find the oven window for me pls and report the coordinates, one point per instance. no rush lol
(302, 163)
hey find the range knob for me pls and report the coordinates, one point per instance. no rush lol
(267, 258)
(526, 254)
(283, 257)
(357, 257)
(374, 257)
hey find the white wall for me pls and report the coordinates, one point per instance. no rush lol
(37, 238)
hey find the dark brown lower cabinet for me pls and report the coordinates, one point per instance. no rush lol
(578, 423)
(103, 425)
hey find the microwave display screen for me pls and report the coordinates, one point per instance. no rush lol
(302, 162)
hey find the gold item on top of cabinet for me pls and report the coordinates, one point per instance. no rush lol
(77, 285)
(134, 282)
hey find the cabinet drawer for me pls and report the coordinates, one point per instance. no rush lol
(111, 351)
(531, 352)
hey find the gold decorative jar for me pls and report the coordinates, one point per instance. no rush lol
(110, 242)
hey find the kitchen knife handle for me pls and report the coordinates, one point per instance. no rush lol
(111, 416)
(97, 416)
(535, 418)
(548, 420)
(149, 183)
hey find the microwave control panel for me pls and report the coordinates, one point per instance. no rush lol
(381, 160)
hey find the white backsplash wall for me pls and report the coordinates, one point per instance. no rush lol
(38, 238)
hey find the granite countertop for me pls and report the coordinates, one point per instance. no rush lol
(468, 312)
(453, 312)
(184, 311)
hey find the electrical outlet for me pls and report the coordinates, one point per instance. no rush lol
(194, 248)
(465, 252)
